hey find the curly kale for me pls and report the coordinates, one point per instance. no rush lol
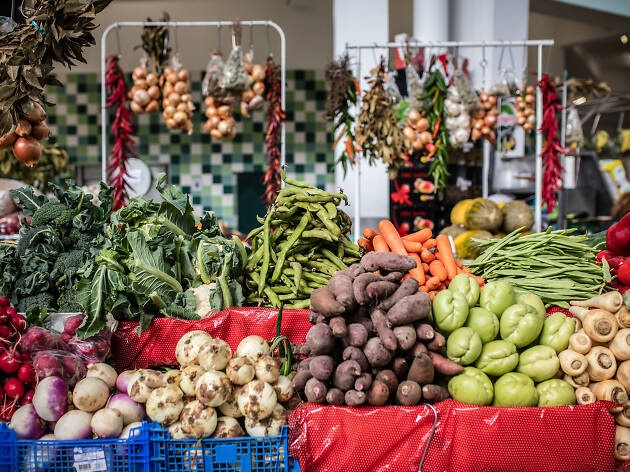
(39, 301)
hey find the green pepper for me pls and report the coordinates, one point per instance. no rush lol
(450, 310)
(520, 324)
(484, 322)
(523, 296)
(471, 386)
(539, 362)
(555, 392)
(497, 357)
(468, 286)
(463, 346)
(556, 331)
(514, 389)
(496, 296)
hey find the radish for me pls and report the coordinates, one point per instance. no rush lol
(26, 423)
(17, 322)
(10, 362)
(13, 388)
(7, 409)
(72, 324)
(4, 302)
(131, 411)
(26, 373)
(90, 394)
(4, 318)
(10, 311)
(27, 397)
(74, 425)
(5, 333)
(51, 398)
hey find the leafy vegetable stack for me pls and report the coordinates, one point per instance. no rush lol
(158, 262)
(65, 233)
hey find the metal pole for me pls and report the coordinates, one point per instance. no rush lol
(185, 24)
(539, 139)
(357, 175)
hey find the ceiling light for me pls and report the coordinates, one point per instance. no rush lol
(623, 38)
(579, 100)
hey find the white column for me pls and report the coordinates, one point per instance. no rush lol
(431, 20)
(362, 22)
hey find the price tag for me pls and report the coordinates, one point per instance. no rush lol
(89, 459)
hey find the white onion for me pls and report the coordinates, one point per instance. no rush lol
(257, 400)
(189, 345)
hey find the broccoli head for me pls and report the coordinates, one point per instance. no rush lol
(52, 211)
(39, 301)
(68, 303)
(66, 266)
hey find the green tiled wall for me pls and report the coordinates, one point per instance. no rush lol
(204, 168)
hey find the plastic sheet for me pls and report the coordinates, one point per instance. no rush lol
(156, 345)
(466, 438)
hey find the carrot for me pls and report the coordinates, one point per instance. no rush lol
(432, 283)
(443, 245)
(427, 256)
(438, 270)
(390, 233)
(429, 243)
(425, 267)
(365, 244)
(379, 243)
(423, 288)
(412, 246)
(419, 236)
(369, 233)
(416, 258)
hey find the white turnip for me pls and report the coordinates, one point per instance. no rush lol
(230, 407)
(257, 400)
(90, 394)
(252, 346)
(122, 381)
(189, 346)
(189, 377)
(107, 423)
(26, 423)
(267, 369)
(176, 431)
(240, 370)
(269, 426)
(74, 425)
(198, 420)
(213, 388)
(283, 388)
(51, 398)
(142, 383)
(165, 404)
(214, 355)
(103, 371)
(130, 410)
(131, 430)
(228, 427)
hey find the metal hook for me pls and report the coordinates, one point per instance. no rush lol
(251, 37)
(483, 64)
(176, 42)
(501, 58)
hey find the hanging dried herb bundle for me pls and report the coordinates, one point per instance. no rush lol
(434, 95)
(122, 130)
(155, 44)
(275, 118)
(378, 132)
(552, 169)
(343, 92)
(55, 31)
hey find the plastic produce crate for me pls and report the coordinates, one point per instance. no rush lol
(244, 454)
(86, 455)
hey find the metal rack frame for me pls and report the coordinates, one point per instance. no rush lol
(539, 44)
(175, 24)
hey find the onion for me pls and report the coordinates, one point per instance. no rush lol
(130, 430)
(270, 426)
(189, 377)
(230, 407)
(257, 400)
(26, 423)
(141, 97)
(152, 79)
(258, 73)
(213, 388)
(74, 425)
(165, 404)
(240, 370)
(103, 371)
(23, 128)
(51, 398)
(90, 394)
(414, 115)
(27, 150)
(189, 345)
(107, 423)
(174, 98)
(258, 88)
(138, 73)
(181, 87)
(267, 369)
(215, 355)
(141, 383)
(228, 427)
(283, 388)
(183, 75)
(224, 111)
(130, 410)
(247, 95)
(176, 431)
(198, 420)
(154, 92)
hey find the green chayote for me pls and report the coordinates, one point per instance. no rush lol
(497, 357)
(514, 389)
(555, 392)
(471, 386)
(520, 324)
(484, 322)
(539, 362)
(531, 299)
(556, 331)
(468, 286)
(496, 296)
(450, 310)
(463, 346)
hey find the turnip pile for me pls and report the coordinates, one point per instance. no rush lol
(372, 341)
(215, 393)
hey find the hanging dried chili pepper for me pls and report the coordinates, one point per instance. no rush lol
(122, 130)
(275, 118)
(552, 169)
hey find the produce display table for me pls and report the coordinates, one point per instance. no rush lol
(466, 438)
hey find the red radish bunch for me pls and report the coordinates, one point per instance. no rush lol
(17, 375)
(92, 350)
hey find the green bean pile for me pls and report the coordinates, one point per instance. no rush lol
(556, 265)
(302, 241)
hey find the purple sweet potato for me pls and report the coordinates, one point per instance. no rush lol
(378, 393)
(319, 340)
(323, 301)
(338, 326)
(394, 277)
(444, 365)
(400, 366)
(418, 348)
(434, 393)
(437, 343)
(425, 331)
(314, 317)
(383, 329)
(421, 369)
(334, 396)
(377, 354)
(380, 289)
(359, 287)
(321, 367)
(299, 381)
(355, 353)
(355, 398)
(409, 309)
(363, 382)
(408, 286)
(408, 393)
(340, 285)
(405, 336)
(357, 335)
(315, 390)
(389, 261)
(345, 374)
(389, 378)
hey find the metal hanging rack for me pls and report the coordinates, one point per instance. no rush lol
(217, 24)
(539, 44)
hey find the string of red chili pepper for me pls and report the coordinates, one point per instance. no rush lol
(275, 118)
(122, 129)
(552, 169)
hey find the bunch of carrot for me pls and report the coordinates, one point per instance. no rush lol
(436, 263)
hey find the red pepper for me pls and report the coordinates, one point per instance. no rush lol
(623, 274)
(618, 237)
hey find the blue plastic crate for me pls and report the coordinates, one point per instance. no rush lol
(245, 454)
(86, 455)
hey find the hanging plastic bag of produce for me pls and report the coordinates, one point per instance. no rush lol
(252, 97)
(214, 73)
(234, 75)
(177, 103)
(415, 89)
(574, 127)
(218, 110)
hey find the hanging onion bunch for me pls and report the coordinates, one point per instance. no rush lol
(177, 104)
(252, 97)
(378, 132)
(416, 131)
(145, 91)
(525, 108)
(25, 136)
(485, 118)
